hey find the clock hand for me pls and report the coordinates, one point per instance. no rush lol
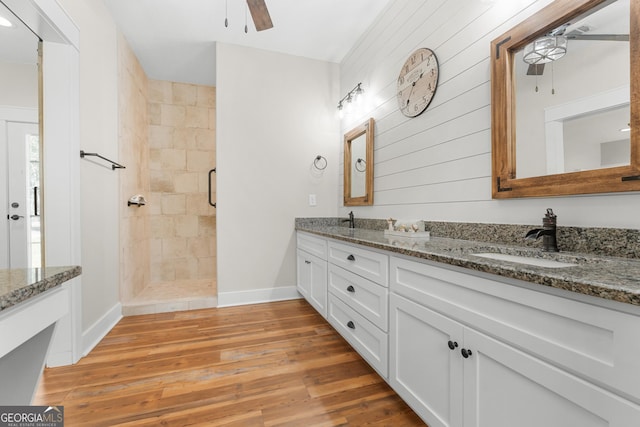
(413, 85)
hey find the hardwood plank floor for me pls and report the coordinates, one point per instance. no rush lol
(275, 364)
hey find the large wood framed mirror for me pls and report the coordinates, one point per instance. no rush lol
(566, 101)
(358, 165)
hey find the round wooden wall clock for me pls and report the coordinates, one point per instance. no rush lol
(417, 82)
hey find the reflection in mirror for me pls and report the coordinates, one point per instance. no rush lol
(565, 113)
(557, 101)
(20, 145)
(358, 165)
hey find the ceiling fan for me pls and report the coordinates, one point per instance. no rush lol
(260, 14)
(537, 69)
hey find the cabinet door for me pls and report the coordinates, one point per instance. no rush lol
(505, 387)
(312, 280)
(424, 371)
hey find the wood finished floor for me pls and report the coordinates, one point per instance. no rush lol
(275, 364)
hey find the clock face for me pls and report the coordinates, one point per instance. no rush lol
(417, 82)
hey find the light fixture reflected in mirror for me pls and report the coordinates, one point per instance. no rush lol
(545, 49)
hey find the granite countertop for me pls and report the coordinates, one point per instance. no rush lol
(18, 285)
(607, 277)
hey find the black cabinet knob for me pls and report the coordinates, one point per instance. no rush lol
(351, 288)
(452, 345)
(307, 262)
(466, 353)
(351, 325)
(351, 258)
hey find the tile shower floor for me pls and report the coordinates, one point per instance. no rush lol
(168, 297)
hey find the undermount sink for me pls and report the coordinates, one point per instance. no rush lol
(538, 262)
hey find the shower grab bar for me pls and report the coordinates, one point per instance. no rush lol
(210, 201)
(114, 165)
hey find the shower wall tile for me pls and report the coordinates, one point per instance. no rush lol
(173, 160)
(185, 182)
(206, 97)
(173, 204)
(197, 117)
(134, 116)
(161, 136)
(173, 115)
(184, 94)
(181, 153)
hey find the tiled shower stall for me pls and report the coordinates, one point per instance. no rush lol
(167, 140)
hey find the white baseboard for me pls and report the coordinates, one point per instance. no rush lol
(256, 296)
(92, 336)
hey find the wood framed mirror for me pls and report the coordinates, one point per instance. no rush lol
(558, 79)
(358, 165)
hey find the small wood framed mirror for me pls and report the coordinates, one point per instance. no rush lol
(358, 165)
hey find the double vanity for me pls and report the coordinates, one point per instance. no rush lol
(478, 333)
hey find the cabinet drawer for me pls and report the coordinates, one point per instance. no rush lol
(369, 341)
(368, 264)
(367, 298)
(314, 245)
(596, 343)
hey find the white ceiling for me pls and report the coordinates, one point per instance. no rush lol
(17, 43)
(175, 39)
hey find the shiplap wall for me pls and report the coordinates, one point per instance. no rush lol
(437, 166)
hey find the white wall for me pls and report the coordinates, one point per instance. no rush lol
(98, 133)
(275, 114)
(19, 84)
(438, 166)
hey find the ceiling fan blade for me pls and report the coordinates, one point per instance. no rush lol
(605, 37)
(535, 69)
(260, 14)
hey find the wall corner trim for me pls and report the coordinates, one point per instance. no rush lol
(96, 332)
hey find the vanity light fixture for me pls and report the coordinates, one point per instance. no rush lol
(4, 22)
(350, 98)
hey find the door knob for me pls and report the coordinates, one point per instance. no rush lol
(15, 217)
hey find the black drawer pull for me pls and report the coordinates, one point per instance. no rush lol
(307, 262)
(351, 325)
(351, 258)
(351, 288)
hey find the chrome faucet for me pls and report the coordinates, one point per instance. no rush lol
(547, 232)
(350, 220)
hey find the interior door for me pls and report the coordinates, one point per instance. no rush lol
(22, 230)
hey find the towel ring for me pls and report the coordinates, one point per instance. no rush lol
(358, 162)
(319, 160)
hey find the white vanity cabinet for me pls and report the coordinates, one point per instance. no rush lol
(311, 270)
(469, 351)
(358, 300)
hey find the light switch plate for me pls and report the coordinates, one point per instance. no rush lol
(312, 199)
